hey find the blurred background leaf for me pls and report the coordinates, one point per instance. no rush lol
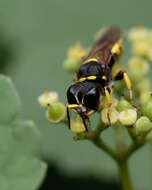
(45, 30)
(20, 164)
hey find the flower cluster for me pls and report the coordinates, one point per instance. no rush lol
(55, 110)
(121, 110)
(117, 110)
(74, 57)
(141, 39)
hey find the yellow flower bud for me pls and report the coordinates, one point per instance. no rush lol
(113, 115)
(143, 85)
(138, 34)
(141, 48)
(47, 98)
(77, 52)
(128, 116)
(150, 54)
(145, 97)
(71, 65)
(139, 64)
(77, 125)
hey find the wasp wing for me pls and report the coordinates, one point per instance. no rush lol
(102, 48)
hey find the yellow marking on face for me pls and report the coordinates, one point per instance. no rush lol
(117, 48)
(104, 77)
(82, 79)
(71, 106)
(89, 60)
(91, 77)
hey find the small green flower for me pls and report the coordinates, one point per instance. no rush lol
(74, 57)
(141, 48)
(71, 65)
(150, 54)
(77, 52)
(147, 109)
(145, 97)
(139, 65)
(143, 85)
(143, 125)
(77, 125)
(138, 34)
(149, 137)
(123, 104)
(56, 112)
(149, 36)
(47, 98)
(128, 116)
(113, 115)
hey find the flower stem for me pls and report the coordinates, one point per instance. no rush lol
(100, 144)
(119, 133)
(124, 175)
(134, 147)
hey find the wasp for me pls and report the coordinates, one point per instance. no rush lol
(94, 77)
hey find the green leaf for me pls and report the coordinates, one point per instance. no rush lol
(27, 135)
(9, 101)
(20, 144)
(22, 172)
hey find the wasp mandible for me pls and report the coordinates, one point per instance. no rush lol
(94, 77)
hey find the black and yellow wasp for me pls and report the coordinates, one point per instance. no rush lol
(94, 77)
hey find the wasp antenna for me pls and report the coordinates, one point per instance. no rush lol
(68, 117)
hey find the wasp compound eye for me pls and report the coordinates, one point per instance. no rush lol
(91, 99)
(71, 96)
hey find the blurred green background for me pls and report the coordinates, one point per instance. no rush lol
(41, 32)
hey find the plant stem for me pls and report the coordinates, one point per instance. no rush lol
(100, 144)
(119, 133)
(95, 139)
(134, 147)
(121, 155)
(124, 175)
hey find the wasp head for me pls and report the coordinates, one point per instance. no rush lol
(84, 98)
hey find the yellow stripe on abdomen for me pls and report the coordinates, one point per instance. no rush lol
(89, 60)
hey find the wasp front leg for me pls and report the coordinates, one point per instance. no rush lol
(109, 101)
(123, 75)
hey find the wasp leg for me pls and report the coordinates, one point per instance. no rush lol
(84, 123)
(68, 117)
(123, 75)
(108, 96)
